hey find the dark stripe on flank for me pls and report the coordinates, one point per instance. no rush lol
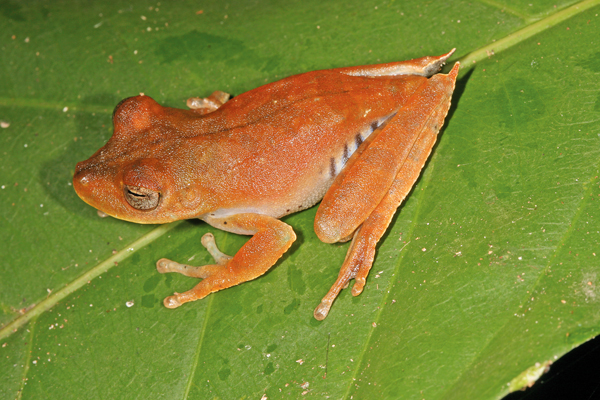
(358, 139)
(332, 167)
(346, 155)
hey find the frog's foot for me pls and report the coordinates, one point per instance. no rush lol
(165, 265)
(208, 104)
(357, 265)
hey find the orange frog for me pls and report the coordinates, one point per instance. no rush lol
(355, 138)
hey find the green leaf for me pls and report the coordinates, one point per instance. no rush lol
(488, 273)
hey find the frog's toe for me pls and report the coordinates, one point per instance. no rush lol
(359, 283)
(208, 241)
(171, 301)
(163, 265)
(357, 265)
(322, 310)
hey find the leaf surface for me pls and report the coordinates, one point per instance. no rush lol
(489, 267)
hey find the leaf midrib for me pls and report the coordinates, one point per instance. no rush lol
(523, 34)
(84, 278)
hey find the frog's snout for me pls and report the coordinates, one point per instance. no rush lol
(82, 180)
(88, 182)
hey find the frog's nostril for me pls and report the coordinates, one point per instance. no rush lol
(82, 180)
(80, 175)
(80, 168)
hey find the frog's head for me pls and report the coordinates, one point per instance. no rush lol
(133, 192)
(131, 177)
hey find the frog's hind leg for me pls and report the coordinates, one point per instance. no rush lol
(208, 104)
(424, 66)
(361, 253)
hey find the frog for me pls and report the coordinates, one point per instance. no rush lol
(354, 139)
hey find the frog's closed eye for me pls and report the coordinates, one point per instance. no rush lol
(141, 198)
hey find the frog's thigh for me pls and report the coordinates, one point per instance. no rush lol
(271, 238)
(424, 66)
(362, 185)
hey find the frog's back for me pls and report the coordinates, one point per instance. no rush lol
(289, 140)
(341, 93)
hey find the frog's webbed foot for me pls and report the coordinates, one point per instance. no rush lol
(165, 265)
(208, 104)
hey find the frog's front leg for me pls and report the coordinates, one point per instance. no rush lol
(271, 238)
(362, 200)
(208, 104)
